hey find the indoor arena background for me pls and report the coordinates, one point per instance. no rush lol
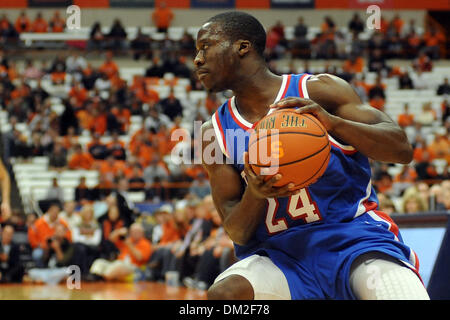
(90, 96)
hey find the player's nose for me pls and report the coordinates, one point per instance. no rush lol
(199, 59)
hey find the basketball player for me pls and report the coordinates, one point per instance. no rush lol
(327, 241)
(5, 184)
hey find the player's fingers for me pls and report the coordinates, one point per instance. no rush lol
(291, 102)
(269, 183)
(311, 108)
(248, 170)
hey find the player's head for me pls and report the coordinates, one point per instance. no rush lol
(225, 43)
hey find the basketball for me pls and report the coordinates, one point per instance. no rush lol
(292, 144)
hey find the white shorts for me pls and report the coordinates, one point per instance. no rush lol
(267, 280)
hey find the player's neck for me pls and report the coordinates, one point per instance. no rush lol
(256, 92)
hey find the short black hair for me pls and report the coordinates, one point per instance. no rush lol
(240, 25)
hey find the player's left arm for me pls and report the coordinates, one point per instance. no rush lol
(372, 132)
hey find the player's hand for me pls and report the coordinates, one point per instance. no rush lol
(328, 120)
(265, 189)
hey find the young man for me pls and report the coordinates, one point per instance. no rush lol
(321, 242)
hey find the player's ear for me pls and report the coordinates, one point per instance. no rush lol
(242, 47)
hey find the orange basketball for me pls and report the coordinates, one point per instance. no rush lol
(294, 145)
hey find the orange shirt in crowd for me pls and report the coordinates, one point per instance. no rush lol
(114, 168)
(162, 17)
(39, 25)
(170, 233)
(418, 154)
(109, 68)
(58, 24)
(58, 77)
(81, 161)
(123, 116)
(355, 66)
(405, 120)
(143, 245)
(409, 175)
(22, 24)
(80, 94)
(433, 40)
(147, 96)
(98, 124)
(43, 229)
(377, 103)
(398, 24)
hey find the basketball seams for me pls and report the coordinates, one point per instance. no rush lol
(299, 160)
(284, 132)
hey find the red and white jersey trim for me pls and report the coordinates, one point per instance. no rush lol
(220, 134)
(344, 148)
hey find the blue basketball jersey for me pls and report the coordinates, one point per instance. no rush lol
(315, 217)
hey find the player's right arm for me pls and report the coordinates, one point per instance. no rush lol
(241, 208)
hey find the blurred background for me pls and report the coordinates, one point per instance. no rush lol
(89, 99)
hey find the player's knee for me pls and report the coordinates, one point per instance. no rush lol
(231, 288)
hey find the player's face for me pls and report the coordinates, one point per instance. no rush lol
(214, 60)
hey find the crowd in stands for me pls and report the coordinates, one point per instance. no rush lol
(118, 241)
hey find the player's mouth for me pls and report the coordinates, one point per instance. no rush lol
(201, 73)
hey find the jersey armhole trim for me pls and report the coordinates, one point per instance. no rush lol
(220, 134)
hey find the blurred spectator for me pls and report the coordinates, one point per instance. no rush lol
(215, 255)
(354, 64)
(127, 209)
(75, 63)
(440, 146)
(405, 119)
(96, 148)
(40, 233)
(141, 45)
(110, 223)
(96, 37)
(443, 88)
(68, 119)
(70, 215)
(82, 191)
(413, 203)
(135, 251)
(200, 186)
(386, 204)
(162, 17)
(171, 106)
(58, 157)
(55, 192)
(31, 72)
(377, 61)
(405, 81)
(135, 181)
(59, 254)
(433, 39)
(11, 268)
(427, 116)
(80, 159)
(109, 67)
(356, 24)
(87, 234)
(103, 188)
(39, 24)
(117, 36)
(57, 24)
(422, 63)
(23, 23)
(155, 171)
(445, 108)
